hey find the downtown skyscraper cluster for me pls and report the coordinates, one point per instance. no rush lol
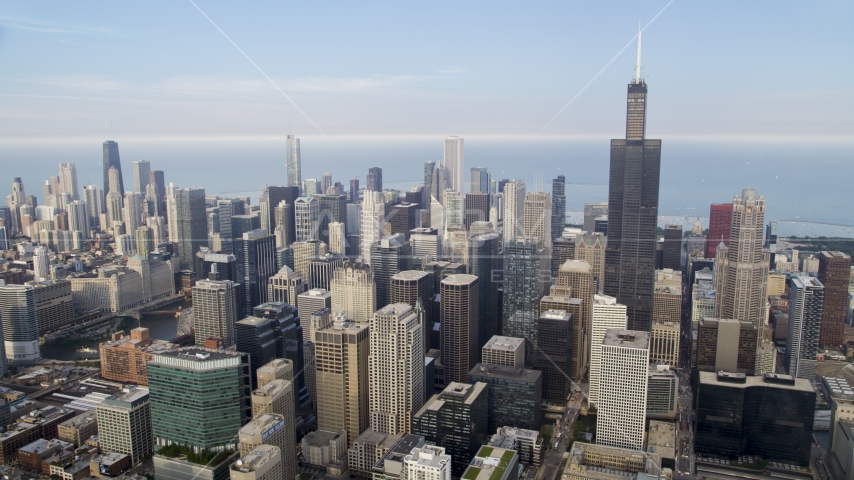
(366, 322)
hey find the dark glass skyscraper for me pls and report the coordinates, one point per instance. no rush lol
(111, 159)
(375, 179)
(633, 213)
(257, 253)
(558, 205)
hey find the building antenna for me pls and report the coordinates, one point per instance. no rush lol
(638, 67)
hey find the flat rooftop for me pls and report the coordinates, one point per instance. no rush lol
(662, 438)
(726, 379)
(271, 388)
(508, 344)
(431, 456)
(320, 437)
(506, 372)
(253, 321)
(261, 424)
(256, 458)
(490, 463)
(556, 315)
(128, 399)
(409, 275)
(626, 338)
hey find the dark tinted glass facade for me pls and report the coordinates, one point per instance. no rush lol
(772, 421)
(456, 419)
(514, 395)
(558, 206)
(633, 215)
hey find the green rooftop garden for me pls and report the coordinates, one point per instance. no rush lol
(485, 451)
(471, 473)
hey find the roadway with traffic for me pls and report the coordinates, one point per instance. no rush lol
(562, 438)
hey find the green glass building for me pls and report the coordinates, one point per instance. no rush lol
(199, 397)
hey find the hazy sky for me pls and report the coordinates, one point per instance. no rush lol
(158, 69)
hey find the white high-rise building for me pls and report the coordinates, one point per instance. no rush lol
(68, 180)
(158, 232)
(437, 215)
(306, 212)
(427, 463)
(537, 218)
(92, 197)
(396, 368)
(78, 217)
(454, 163)
(41, 263)
(337, 238)
(132, 212)
(806, 303)
(607, 314)
(621, 415)
(114, 209)
(354, 291)
(514, 209)
(215, 310)
(426, 244)
(141, 169)
(293, 161)
(373, 213)
(454, 209)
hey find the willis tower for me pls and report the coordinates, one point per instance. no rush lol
(633, 211)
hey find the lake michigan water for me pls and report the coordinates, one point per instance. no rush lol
(801, 179)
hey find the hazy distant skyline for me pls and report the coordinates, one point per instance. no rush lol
(757, 69)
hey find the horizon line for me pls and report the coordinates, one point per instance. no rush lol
(282, 137)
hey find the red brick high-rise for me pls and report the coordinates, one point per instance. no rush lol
(833, 271)
(720, 221)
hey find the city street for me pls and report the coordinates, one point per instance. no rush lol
(685, 429)
(549, 468)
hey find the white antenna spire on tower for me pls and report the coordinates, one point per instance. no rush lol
(638, 67)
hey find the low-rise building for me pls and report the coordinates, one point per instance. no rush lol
(587, 461)
(390, 466)
(661, 440)
(326, 450)
(180, 467)
(493, 463)
(367, 450)
(47, 420)
(108, 464)
(30, 456)
(427, 463)
(77, 429)
(528, 443)
(75, 470)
